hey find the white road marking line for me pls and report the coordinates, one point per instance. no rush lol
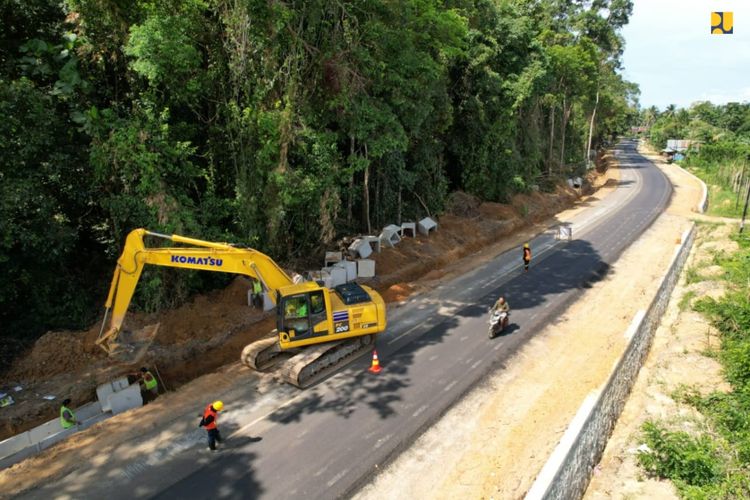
(433, 358)
(419, 410)
(338, 476)
(475, 364)
(450, 386)
(465, 337)
(407, 332)
(321, 471)
(498, 346)
(382, 441)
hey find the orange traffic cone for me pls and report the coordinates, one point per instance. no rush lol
(375, 368)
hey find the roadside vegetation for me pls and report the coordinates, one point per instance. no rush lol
(720, 150)
(710, 457)
(278, 125)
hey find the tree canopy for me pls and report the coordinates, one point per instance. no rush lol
(281, 125)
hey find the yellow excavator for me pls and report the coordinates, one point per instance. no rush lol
(317, 331)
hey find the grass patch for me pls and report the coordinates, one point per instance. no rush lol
(687, 460)
(722, 201)
(713, 463)
(692, 275)
(685, 300)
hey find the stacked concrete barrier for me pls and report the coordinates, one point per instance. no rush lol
(567, 473)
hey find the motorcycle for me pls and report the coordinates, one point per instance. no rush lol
(498, 323)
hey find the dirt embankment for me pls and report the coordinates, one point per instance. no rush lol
(211, 330)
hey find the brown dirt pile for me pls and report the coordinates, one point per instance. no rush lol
(398, 292)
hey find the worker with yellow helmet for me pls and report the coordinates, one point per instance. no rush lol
(210, 416)
(526, 257)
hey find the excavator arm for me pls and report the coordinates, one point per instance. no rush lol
(201, 255)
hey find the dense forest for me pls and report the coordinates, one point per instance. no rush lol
(281, 125)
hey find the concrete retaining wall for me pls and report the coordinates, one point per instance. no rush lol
(568, 471)
(114, 397)
(29, 443)
(703, 204)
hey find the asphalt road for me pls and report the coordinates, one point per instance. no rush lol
(331, 439)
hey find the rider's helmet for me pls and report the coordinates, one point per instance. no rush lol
(526, 245)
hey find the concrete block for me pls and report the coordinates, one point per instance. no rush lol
(55, 438)
(42, 432)
(338, 276)
(102, 394)
(350, 267)
(322, 276)
(351, 270)
(374, 242)
(390, 237)
(332, 258)
(409, 226)
(120, 383)
(88, 411)
(366, 268)
(18, 456)
(393, 228)
(426, 225)
(125, 399)
(14, 444)
(361, 248)
(564, 232)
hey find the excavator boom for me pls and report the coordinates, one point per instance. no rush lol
(209, 256)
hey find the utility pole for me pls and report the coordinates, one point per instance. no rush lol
(744, 210)
(739, 188)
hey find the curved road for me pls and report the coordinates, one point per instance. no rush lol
(329, 440)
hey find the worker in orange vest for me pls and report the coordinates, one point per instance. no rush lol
(526, 257)
(210, 415)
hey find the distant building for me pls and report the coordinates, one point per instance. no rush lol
(681, 145)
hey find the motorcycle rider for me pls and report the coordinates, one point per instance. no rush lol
(501, 305)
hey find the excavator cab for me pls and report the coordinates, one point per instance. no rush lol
(303, 315)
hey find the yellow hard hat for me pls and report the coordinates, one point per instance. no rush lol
(526, 245)
(218, 405)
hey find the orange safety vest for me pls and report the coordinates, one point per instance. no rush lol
(210, 411)
(526, 254)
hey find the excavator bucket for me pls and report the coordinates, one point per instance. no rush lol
(130, 347)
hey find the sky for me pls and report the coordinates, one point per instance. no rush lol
(672, 55)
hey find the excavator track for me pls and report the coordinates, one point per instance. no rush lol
(264, 353)
(317, 362)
